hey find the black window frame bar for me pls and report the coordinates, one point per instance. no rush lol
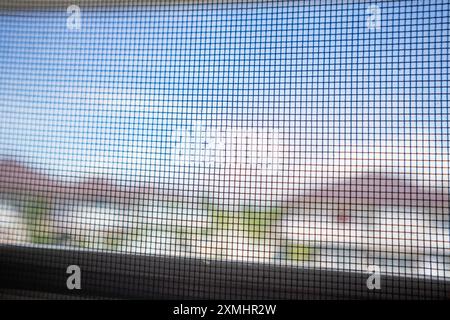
(122, 275)
(119, 275)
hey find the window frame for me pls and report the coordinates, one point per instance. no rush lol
(119, 275)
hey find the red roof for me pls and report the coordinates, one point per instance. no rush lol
(375, 189)
(17, 178)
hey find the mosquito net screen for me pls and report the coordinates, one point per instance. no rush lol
(297, 136)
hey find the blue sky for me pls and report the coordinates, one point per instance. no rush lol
(114, 94)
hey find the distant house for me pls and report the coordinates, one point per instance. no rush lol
(19, 181)
(12, 227)
(344, 197)
(369, 219)
(81, 211)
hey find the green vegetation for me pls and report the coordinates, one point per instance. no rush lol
(184, 235)
(255, 223)
(223, 220)
(113, 241)
(109, 241)
(299, 252)
(36, 211)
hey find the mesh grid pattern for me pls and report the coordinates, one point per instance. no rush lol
(299, 135)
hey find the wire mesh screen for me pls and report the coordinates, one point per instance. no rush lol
(306, 135)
